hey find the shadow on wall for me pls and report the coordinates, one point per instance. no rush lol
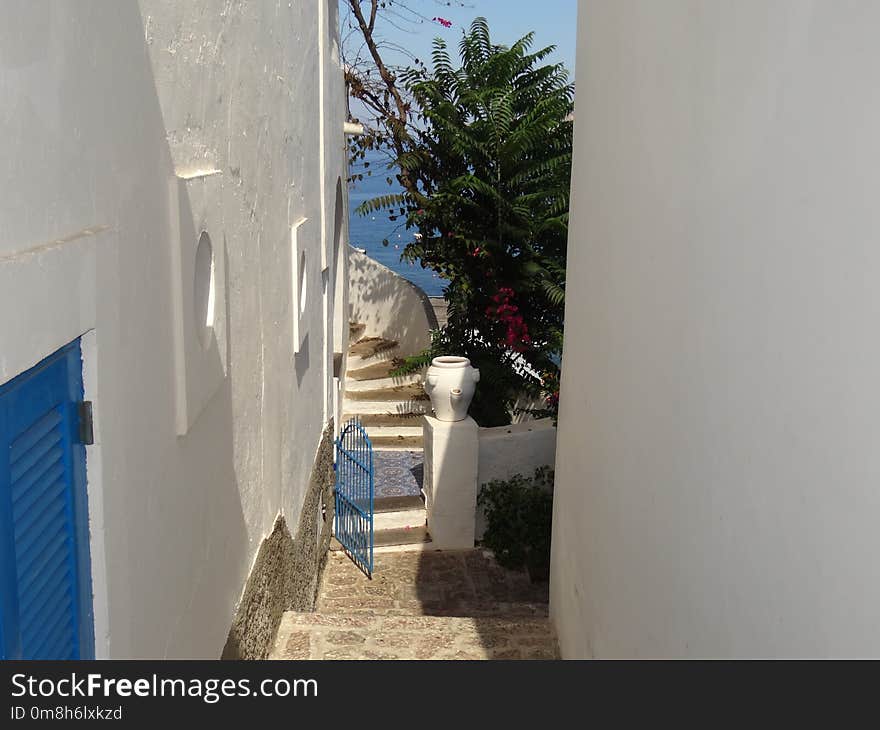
(182, 524)
(194, 530)
(212, 510)
(390, 306)
(301, 361)
(286, 573)
(176, 539)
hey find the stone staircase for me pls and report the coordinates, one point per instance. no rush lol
(390, 409)
(388, 406)
(421, 605)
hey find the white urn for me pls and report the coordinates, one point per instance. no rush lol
(450, 383)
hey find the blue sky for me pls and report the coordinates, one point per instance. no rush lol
(554, 23)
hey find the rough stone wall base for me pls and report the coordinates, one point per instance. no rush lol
(315, 529)
(259, 612)
(287, 571)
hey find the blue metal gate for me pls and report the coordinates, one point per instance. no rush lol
(45, 585)
(354, 494)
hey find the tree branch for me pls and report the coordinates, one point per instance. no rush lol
(384, 73)
(374, 6)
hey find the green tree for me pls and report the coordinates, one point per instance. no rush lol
(490, 164)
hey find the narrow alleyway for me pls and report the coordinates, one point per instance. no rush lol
(421, 605)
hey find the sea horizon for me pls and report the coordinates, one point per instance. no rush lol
(368, 232)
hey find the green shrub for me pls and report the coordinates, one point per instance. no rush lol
(519, 516)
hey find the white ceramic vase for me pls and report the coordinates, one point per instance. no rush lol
(450, 383)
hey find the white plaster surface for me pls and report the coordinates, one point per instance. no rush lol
(390, 306)
(200, 362)
(450, 480)
(105, 101)
(717, 470)
(517, 449)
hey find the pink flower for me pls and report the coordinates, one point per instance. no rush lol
(517, 331)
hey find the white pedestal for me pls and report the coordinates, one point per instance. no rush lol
(450, 481)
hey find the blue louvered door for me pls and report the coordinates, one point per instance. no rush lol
(45, 586)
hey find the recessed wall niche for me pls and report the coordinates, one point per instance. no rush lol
(303, 283)
(203, 290)
(302, 237)
(198, 280)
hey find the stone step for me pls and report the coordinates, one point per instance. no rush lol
(440, 307)
(356, 362)
(402, 519)
(357, 408)
(401, 536)
(377, 432)
(414, 547)
(394, 504)
(356, 331)
(368, 347)
(420, 579)
(393, 538)
(397, 513)
(385, 635)
(377, 420)
(397, 443)
(375, 384)
(406, 392)
(381, 369)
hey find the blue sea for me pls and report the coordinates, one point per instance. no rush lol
(368, 231)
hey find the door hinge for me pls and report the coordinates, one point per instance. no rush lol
(86, 424)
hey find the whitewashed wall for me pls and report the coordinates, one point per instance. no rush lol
(128, 128)
(390, 306)
(517, 449)
(717, 471)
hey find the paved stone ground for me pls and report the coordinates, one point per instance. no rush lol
(422, 605)
(432, 582)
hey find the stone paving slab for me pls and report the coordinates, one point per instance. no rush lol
(432, 605)
(442, 583)
(381, 636)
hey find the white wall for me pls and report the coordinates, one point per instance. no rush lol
(517, 449)
(390, 306)
(717, 472)
(112, 113)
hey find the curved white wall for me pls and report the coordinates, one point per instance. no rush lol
(389, 305)
(718, 463)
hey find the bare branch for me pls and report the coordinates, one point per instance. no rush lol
(373, 81)
(373, 8)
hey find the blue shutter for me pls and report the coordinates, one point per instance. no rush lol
(45, 606)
